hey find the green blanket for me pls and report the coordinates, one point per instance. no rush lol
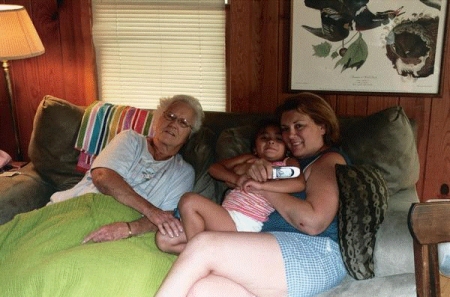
(41, 253)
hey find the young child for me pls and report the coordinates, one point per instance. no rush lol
(243, 208)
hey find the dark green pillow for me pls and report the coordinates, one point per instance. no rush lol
(367, 140)
(363, 197)
(51, 148)
(199, 152)
(235, 141)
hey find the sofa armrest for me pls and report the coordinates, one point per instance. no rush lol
(23, 192)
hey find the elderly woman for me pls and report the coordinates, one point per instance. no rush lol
(145, 173)
(297, 254)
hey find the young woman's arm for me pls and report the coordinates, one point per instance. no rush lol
(289, 185)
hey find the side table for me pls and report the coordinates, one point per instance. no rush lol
(11, 167)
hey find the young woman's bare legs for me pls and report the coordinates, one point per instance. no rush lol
(218, 286)
(199, 214)
(205, 266)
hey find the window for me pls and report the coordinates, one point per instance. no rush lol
(148, 49)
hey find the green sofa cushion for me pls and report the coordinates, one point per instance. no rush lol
(235, 141)
(199, 152)
(22, 192)
(386, 141)
(51, 148)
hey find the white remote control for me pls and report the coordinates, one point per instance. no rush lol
(285, 172)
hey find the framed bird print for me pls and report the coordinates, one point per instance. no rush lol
(383, 46)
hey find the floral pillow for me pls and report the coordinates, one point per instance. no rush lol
(363, 197)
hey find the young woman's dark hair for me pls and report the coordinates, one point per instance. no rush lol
(318, 109)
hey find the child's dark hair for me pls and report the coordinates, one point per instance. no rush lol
(263, 124)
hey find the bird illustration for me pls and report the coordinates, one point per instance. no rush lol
(339, 17)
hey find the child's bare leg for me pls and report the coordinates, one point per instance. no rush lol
(172, 245)
(201, 214)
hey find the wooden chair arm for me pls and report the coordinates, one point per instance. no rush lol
(429, 225)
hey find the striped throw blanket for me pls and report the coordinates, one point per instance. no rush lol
(101, 122)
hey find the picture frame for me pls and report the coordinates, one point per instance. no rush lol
(384, 46)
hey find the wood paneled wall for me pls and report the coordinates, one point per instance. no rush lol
(258, 69)
(66, 70)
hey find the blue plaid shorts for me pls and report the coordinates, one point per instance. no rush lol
(313, 264)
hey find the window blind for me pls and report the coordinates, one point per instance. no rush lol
(148, 49)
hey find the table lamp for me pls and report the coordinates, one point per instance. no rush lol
(18, 40)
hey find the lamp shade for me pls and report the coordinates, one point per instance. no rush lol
(18, 37)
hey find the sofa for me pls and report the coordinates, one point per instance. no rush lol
(384, 141)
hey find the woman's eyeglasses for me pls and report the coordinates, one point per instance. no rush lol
(172, 118)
